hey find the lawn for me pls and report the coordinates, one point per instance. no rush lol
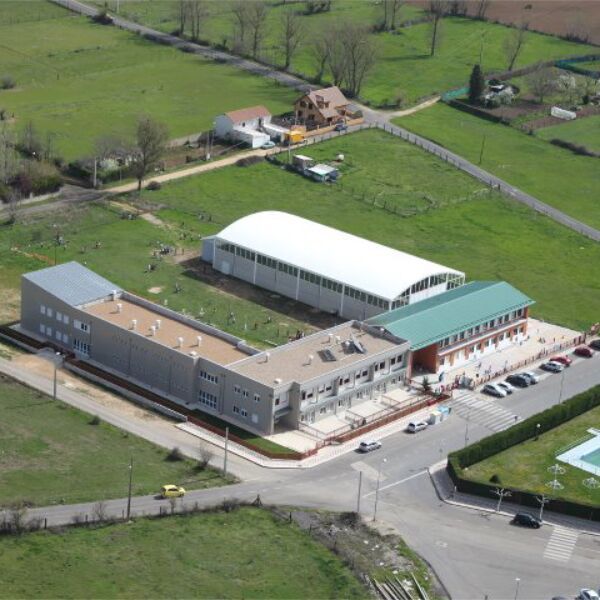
(525, 466)
(51, 453)
(17, 11)
(404, 70)
(242, 554)
(556, 176)
(432, 211)
(585, 132)
(77, 81)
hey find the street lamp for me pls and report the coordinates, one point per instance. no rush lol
(384, 460)
(537, 431)
(517, 581)
(562, 381)
(129, 492)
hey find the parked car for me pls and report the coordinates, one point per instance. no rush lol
(519, 379)
(526, 520)
(369, 445)
(588, 594)
(563, 360)
(268, 145)
(493, 389)
(584, 351)
(533, 378)
(341, 127)
(172, 491)
(553, 367)
(415, 426)
(595, 344)
(506, 386)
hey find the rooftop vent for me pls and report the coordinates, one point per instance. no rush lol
(278, 380)
(338, 339)
(267, 356)
(179, 342)
(330, 338)
(193, 354)
(134, 324)
(158, 323)
(198, 340)
(119, 307)
(114, 294)
(310, 359)
(152, 330)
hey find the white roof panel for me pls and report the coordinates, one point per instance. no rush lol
(346, 258)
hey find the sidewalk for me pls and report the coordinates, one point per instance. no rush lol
(444, 488)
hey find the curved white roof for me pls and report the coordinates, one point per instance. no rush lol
(346, 258)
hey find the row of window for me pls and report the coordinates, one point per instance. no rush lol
(244, 392)
(288, 269)
(208, 377)
(82, 326)
(82, 347)
(427, 283)
(46, 310)
(240, 411)
(207, 399)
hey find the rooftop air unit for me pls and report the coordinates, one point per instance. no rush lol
(267, 356)
(158, 323)
(134, 324)
(179, 342)
(310, 359)
(338, 339)
(198, 340)
(278, 380)
(152, 330)
(119, 307)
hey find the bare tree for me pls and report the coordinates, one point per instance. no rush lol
(542, 82)
(30, 142)
(513, 44)
(391, 9)
(239, 12)
(578, 29)
(13, 204)
(481, 9)
(337, 58)
(197, 15)
(111, 146)
(292, 31)
(182, 15)
(99, 511)
(9, 162)
(437, 10)
(206, 455)
(360, 55)
(319, 49)
(257, 17)
(457, 8)
(151, 140)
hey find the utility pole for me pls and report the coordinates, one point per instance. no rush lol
(562, 382)
(54, 386)
(225, 456)
(129, 492)
(482, 149)
(359, 490)
(95, 180)
(377, 488)
(517, 581)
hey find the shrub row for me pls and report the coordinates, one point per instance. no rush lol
(478, 112)
(576, 148)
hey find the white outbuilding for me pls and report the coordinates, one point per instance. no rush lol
(247, 125)
(324, 267)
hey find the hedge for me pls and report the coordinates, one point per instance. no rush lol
(521, 432)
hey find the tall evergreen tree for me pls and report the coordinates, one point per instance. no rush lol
(476, 85)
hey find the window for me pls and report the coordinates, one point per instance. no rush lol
(65, 338)
(82, 326)
(81, 346)
(66, 319)
(49, 331)
(254, 418)
(58, 316)
(49, 312)
(243, 412)
(237, 389)
(208, 377)
(42, 329)
(236, 409)
(58, 335)
(277, 400)
(256, 397)
(207, 399)
(42, 309)
(245, 394)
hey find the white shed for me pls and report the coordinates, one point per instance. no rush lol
(245, 125)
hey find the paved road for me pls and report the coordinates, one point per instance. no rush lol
(474, 554)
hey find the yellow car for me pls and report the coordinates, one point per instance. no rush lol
(172, 491)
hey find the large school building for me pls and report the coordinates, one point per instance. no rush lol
(324, 267)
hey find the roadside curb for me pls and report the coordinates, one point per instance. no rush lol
(434, 469)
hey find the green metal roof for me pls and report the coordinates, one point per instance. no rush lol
(429, 321)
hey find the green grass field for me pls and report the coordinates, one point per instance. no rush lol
(50, 453)
(554, 175)
(79, 80)
(404, 69)
(585, 132)
(242, 554)
(440, 214)
(525, 466)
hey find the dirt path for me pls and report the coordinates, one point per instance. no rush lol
(412, 109)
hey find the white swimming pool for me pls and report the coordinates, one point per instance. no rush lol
(585, 456)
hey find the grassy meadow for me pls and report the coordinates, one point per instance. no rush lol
(585, 132)
(404, 69)
(242, 554)
(556, 176)
(51, 453)
(76, 81)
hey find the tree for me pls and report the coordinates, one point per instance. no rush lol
(182, 15)
(476, 85)
(257, 16)
(481, 10)
(437, 10)
(360, 55)
(513, 44)
(30, 142)
(239, 12)
(457, 8)
(391, 9)
(541, 82)
(336, 54)
(319, 49)
(151, 140)
(197, 14)
(292, 31)
(9, 162)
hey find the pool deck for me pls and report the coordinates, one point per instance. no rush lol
(576, 456)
